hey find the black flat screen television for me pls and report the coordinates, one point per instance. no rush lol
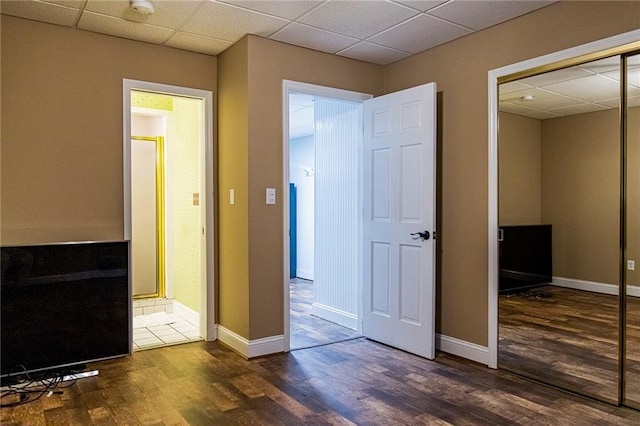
(63, 305)
(526, 258)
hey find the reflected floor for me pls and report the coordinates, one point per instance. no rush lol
(565, 337)
(307, 330)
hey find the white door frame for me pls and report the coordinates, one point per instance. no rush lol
(494, 75)
(328, 92)
(207, 303)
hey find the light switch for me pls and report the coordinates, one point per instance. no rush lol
(271, 195)
(196, 199)
(232, 196)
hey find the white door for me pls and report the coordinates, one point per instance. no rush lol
(399, 202)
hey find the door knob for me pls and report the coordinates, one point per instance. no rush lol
(424, 235)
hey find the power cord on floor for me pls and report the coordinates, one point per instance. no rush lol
(30, 389)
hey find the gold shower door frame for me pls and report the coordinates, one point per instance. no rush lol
(160, 218)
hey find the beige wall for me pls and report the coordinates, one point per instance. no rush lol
(519, 170)
(61, 174)
(633, 194)
(268, 63)
(233, 220)
(460, 68)
(581, 194)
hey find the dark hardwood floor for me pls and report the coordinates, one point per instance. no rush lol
(309, 331)
(354, 382)
(569, 339)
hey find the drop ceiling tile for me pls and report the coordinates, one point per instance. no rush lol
(77, 4)
(579, 109)
(372, 17)
(632, 102)
(197, 43)
(593, 88)
(120, 28)
(478, 15)
(170, 14)
(287, 9)
(40, 11)
(376, 54)
(633, 76)
(557, 76)
(419, 33)
(421, 5)
(313, 38)
(226, 22)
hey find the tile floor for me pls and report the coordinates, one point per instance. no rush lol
(153, 336)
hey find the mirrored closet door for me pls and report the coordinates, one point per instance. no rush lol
(561, 228)
(632, 249)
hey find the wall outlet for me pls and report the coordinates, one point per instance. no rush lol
(271, 195)
(631, 265)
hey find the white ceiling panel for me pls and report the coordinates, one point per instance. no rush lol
(287, 9)
(419, 33)
(226, 22)
(170, 14)
(369, 52)
(421, 5)
(41, 11)
(313, 38)
(373, 17)
(512, 86)
(478, 15)
(120, 28)
(376, 31)
(198, 43)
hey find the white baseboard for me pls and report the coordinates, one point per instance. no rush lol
(593, 286)
(463, 349)
(186, 313)
(334, 315)
(305, 275)
(251, 348)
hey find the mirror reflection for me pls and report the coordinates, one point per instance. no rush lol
(632, 361)
(559, 218)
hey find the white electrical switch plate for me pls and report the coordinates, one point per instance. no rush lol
(232, 196)
(271, 195)
(631, 265)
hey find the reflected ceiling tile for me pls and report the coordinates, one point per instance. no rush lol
(226, 22)
(40, 11)
(483, 14)
(369, 52)
(282, 8)
(579, 109)
(556, 76)
(419, 33)
(372, 17)
(534, 92)
(593, 88)
(527, 112)
(198, 43)
(313, 38)
(512, 86)
(120, 28)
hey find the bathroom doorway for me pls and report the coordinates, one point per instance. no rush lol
(168, 215)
